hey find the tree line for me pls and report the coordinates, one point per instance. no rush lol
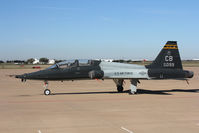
(42, 60)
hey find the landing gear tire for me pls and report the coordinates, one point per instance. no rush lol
(120, 89)
(47, 92)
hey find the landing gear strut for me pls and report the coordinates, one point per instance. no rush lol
(119, 84)
(133, 88)
(46, 91)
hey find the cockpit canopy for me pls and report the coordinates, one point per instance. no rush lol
(73, 63)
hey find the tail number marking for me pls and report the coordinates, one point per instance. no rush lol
(169, 64)
(169, 58)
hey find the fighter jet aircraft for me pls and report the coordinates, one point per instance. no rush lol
(167, 65)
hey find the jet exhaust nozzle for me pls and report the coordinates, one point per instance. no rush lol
(189, 74)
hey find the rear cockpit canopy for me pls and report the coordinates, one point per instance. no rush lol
(73, 63)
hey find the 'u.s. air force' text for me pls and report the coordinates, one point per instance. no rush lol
(123, 73)
(129, 73)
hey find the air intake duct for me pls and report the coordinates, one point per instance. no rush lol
(96, 74)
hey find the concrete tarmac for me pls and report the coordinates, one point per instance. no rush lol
(94, 106)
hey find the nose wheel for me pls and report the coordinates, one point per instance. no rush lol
(46, 91)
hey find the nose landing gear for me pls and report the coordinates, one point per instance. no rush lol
(46, 91)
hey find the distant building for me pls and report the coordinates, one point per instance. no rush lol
(106, 60)
(51, 62)
(195, 59)
(36, 61)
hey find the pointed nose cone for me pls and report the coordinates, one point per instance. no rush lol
(20, 76)
(34, 75)
(25, 76)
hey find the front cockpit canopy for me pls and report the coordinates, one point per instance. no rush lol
(73, 63)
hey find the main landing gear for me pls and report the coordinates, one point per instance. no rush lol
(120, 88)
(119, 84)
(46, 91)
(133, 88)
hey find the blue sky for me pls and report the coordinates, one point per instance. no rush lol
(119, 29)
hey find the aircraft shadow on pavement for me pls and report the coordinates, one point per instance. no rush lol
(166, 92)
(79, 93)
(139, 91)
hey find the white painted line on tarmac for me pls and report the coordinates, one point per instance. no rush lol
(39, 131)
(129, 131)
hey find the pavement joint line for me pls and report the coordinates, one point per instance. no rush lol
(39, 131)
(129, 131)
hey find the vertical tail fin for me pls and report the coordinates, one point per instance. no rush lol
(169, 57)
